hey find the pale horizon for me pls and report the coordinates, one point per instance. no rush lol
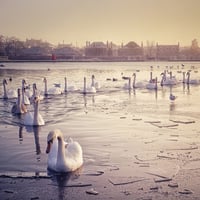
(76, 21)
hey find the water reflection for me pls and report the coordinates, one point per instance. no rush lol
(32, 129)
(36, 130)
(65, 180)
(172, 107)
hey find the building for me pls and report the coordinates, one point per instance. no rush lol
(131, 51)
(167, 52)
(96, 49)
(65, 51)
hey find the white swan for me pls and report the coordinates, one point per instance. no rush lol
(191, 81)
(153, 84)
(8, 94)
(62, 156)
(95, 84)
(25, 99)
(127, 86)
(34, 118)
(69, 88)
(168, 80)
(35, 94)
(137, 84)
(51, 91)
(19, 107)
(88, 90)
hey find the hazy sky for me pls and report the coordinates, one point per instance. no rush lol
(78, 21)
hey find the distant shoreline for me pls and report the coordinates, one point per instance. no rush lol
(89, 61)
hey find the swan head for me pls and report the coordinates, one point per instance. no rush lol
(51, 137)
(23, 81)
(44, 80)
(34, 86)
(5, 82)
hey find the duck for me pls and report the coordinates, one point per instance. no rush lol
(172, 97)
(88, 90)
(19, 107)
(34, 118)
(8, 94)
(63, 156)
(51, 91)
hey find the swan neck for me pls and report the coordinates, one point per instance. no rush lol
(45, 87)
(134, 81)
(129, 83)
(5, 92)
(188, 78)
(65, 84)
(61, 149)
(84, 87)
(36, 111)
(92, 81)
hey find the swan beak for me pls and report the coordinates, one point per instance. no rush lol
(48, 147)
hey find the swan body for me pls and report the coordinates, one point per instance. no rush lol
(137, 84)
(127, 86)
(69, 88)
(95, 84)
(19, 107)
(8, 94)
(168, 80)
(62, 156)
(88, 90)
(34, 118)
(25, 99)
(191, 81)
(51, 91)
(152, 85)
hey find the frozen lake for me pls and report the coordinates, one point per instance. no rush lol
(115, 126)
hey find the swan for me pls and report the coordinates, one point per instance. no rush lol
(138, 84)
(152, 85)
(35, 94)
(19, 107)
(168, 80)
(191, 81)
(51, 91)
(127, 86)
(34, 118)
(25, 99)
(10, 93)
(95, 84)
(62, 156)
(70, 88)
(88, 90)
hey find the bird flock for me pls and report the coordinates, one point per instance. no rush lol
(68, 156)
(26, 96)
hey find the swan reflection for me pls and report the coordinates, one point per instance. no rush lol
(36, 130)
(64, 180)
